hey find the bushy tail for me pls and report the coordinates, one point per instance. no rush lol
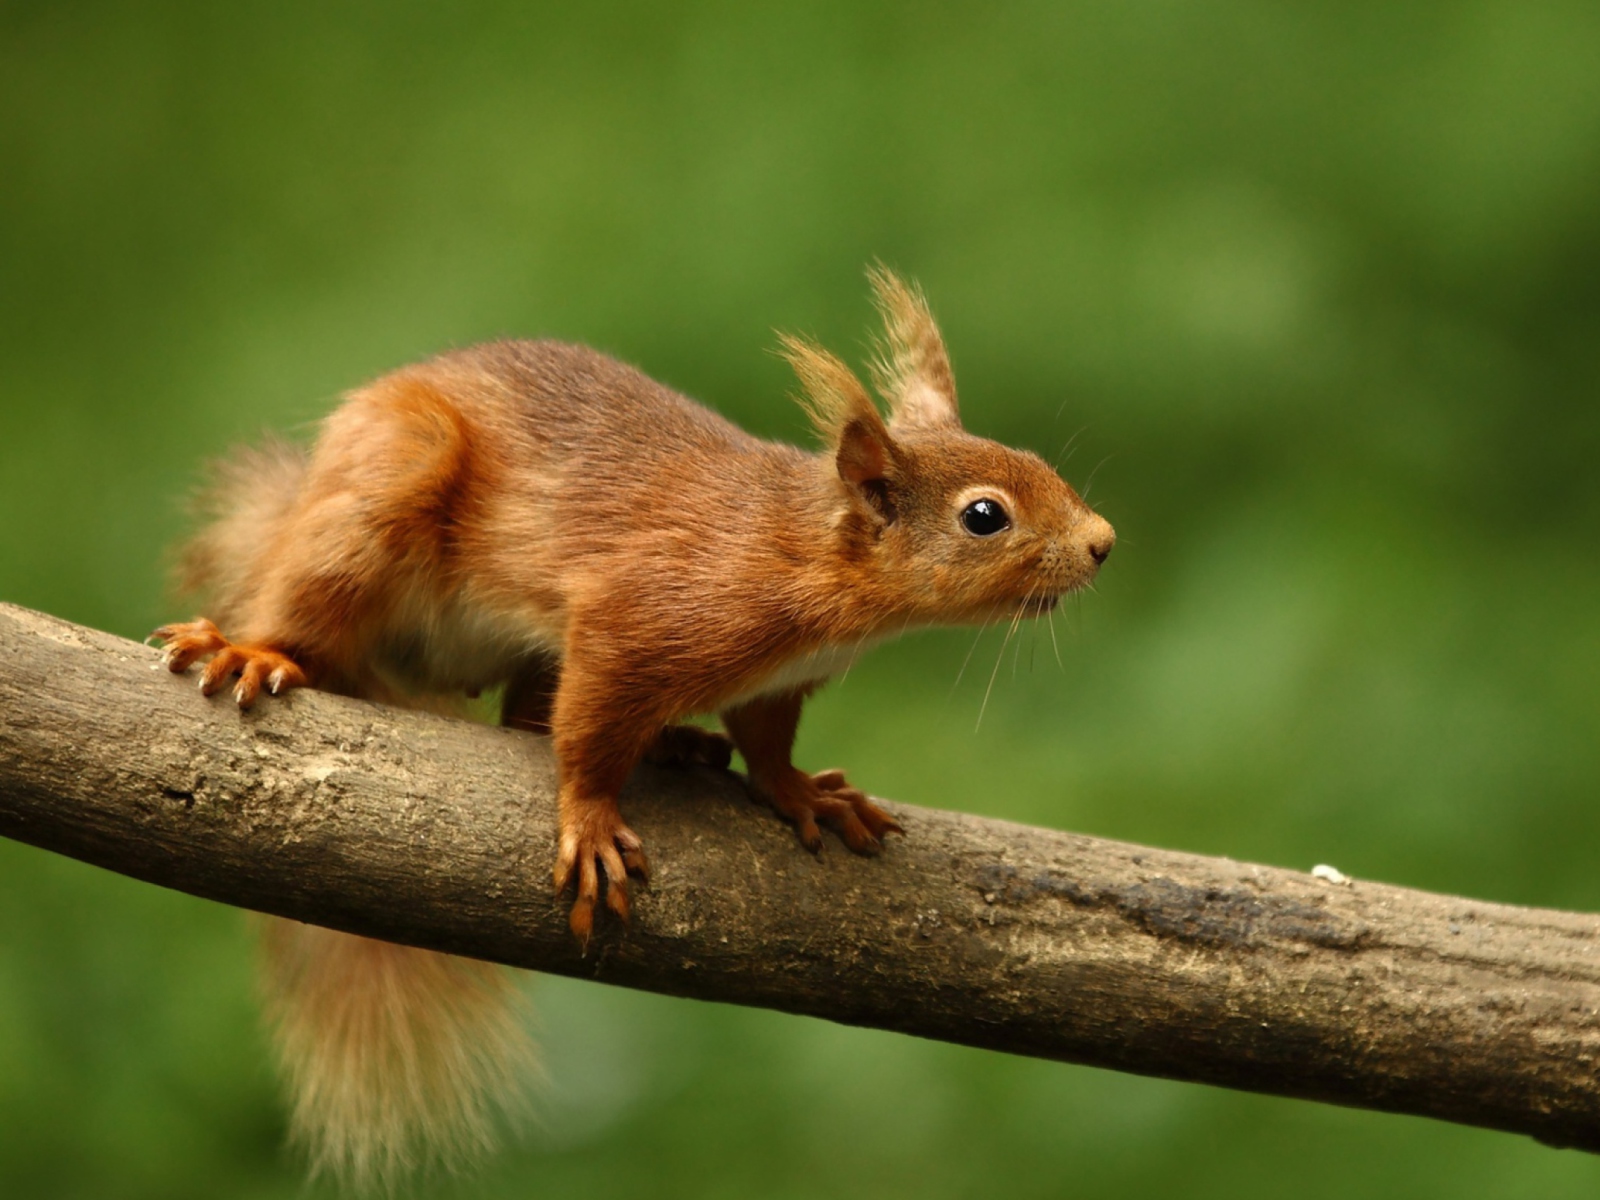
(246, 500)
(395, 1058)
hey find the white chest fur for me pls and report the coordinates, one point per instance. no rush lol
(460, 645)
(817, 665)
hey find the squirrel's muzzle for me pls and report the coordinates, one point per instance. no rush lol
(1098, 537)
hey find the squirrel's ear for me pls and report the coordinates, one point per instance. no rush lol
(844, 414)
(911, 369)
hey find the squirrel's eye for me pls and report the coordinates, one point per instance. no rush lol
(984, 517)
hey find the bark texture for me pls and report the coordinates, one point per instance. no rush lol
(441, 833)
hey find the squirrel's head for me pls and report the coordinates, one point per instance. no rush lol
(947, 527)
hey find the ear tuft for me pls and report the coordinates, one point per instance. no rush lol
(830, 392)
(863, 450)
(912, 368)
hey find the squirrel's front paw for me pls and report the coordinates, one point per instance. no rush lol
(826, 797)
(187, 641)
(594, 839)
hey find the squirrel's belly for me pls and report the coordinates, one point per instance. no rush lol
(813, 667)
(461, 646)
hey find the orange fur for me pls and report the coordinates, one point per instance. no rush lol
(396, 1058)
(539, 516)
(912, 368)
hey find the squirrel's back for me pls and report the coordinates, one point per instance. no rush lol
(454, 501)
(573, 400)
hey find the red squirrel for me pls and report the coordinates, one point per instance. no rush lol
(539, 517)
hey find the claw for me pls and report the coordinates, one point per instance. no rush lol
(189, 641)
(633, 860)
(225, 662)
(617, 897)
(597, 850)
(564, 868)
(825, 797)
(810, 835)
(581, 920)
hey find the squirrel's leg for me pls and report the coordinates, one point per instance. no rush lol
(312, 582)
(763, 729)
(599, 739)
(530, 697)
(302, 628)
(591, 825)
(307, 579)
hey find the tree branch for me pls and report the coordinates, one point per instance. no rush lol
(441, 833)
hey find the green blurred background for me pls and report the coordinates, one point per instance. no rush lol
(1312, 290)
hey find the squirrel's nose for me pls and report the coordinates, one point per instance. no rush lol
(1099, 538)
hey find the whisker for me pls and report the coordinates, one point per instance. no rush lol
(1089, 483)
(1050, 620)
(998, 659)
(1066, 446)
(1016, 657)
(982, 629)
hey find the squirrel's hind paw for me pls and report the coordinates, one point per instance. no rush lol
(690, 746)
(188, 641)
